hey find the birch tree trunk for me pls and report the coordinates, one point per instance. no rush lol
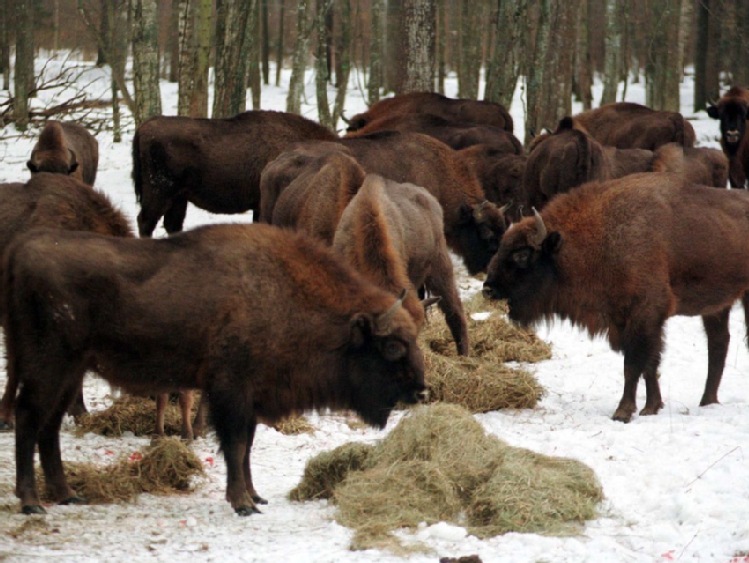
(145, 59)
(265, 45)
(296, 82)
(418, 45)
(583, 62)
(662, 70)
(375, 52)
(279, 41)
(506, 61)
(24, 69)
(252, 51)
(230, 90)
(536, 71)
(321, 62)
(343, 61)
(472, 17)
(612, 59)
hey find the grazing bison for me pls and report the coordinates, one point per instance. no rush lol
(392, 233)
(265, 321)
(733, 112)
(500, 175)
(627, 125)
(66, 148)
(54, 201)
(621, 257)
(456, 110)
(472, 227)
(214, 164)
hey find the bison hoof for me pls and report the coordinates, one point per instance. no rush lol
(33, 509)
(247, 510)
(74, 500)
(622, 416)
(257, 499)
(649, 411)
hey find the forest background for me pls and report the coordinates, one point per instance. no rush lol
(551, 48)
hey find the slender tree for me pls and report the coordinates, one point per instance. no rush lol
(583, 85)
(343, 59)
(472, 18)
(296, 82)
(418, 46)
(4, 44)
(117, 42)
(265, 45)
(536, 72)
(143, 15)
(613, 55)
(252, 50)
(230, 94)
(393, 44)
(662, 69)
(24, 69)
(375, 52)
(506, 60)
(279, 41)
(700, 55)
(172, 46)
(322, 68)
(105, 26)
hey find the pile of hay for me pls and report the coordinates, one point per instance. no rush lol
(482, 382)
(166, 466)
(130, 413)
(438, 464)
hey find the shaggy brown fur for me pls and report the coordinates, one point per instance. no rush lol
(392, 233)
(264, 321)
(214, 164)
(66, 148)
(620, 257)
(456, 110)
(627, 125)
(699, 165)
(733, 112)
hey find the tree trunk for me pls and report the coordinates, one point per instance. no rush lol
(472, 18)
(252, 51)
(279, 41)
(375, 53)
(418, 44)
(296, 82)
(700, 56)
(583, 64)
(5, 44)
(343, 60)
(172, 45)
(506, 62)
(24, 70)
(662, 70)
(536, 70)
(321, 65)
(612, 58)
(741, 54)
(105, 26)
(265, 45)
(393, 27)
(230, 94)
(143, 15)
(117, 43)
(441, 46)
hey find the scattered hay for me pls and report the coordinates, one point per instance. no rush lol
(482, 382)
(294, 425)
(166, 466)
(438, 464)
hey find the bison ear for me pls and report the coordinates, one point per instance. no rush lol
(361, 330)
(466, 214)
(73, 162)
(712, 111)
(552, 243)
(33, 167)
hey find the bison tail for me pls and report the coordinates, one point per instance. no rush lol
(137, 168)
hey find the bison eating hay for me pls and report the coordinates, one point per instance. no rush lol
(438, 464)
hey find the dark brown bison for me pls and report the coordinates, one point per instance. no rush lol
(265, 321)
(733, 112)
(456, 110)
(699, 165)
(627, 125)
(455, 135)
(472, 227)
(66, 148)
(393, 234)
(621, 257)
(54, 201)
(214, 164)
(500, 175)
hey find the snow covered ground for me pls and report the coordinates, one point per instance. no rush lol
(676, 485)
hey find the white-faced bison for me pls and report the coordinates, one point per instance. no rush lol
(733, 112)
(392, 233)
(457, 110)
(266, 322)
(619, 258)
(66, 148)
(215, 164)
(59, 202)
(627, 125)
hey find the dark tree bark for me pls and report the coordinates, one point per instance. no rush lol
(343, 59)
(279, 41)
(418, 46)
(662, 70)
(143, 15)
(230, 94)
(506, 61)
(441, 46)
(172, 47)
(375, 52)
(583, 85)
(105, 26)
(296, 82)
(393, 44)
(741, 54)
(472, 18)
(265, 45)
(5, 44)
(700, 55)
(24, 69)
(252, 50)
(613, 55)
(322, 66)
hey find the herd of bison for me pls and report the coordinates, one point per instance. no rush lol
(611, 221)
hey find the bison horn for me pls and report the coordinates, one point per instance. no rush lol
(540, 229)
(382, 322)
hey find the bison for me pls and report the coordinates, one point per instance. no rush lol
(65, 148)
(265, 321)
(472, 227)
(627, 125)
(54, 201)
(619, 258)
(456, 110)
(699, 165)
(214, 164)
(392, 233)
(733, 112)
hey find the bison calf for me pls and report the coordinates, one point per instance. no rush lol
(264, 321)
(621, 257)
(66, 148)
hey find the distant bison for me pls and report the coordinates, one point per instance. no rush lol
(699, 165)
(456, 110)
(55, 201)
(214, 164)
(266, 322)
(500, 175)
(627, 125)
(733, 112)
(393, 234)
(619, 258)
(66, 148)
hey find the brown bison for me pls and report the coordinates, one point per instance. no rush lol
(627, 125)
(500, 175)
(214, 164)
(699, 165)
(392, 233)
(265, 321)
(456, 110)
(66, 148)
(621, 257)
(54, 201)
(733, 112)
(472, 227)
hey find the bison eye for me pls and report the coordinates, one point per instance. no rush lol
(521, 257)
(393, 350)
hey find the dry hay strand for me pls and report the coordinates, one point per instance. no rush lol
(323, 473)
(438, 464)
(131, 413)
(166, 466)
(294, 425)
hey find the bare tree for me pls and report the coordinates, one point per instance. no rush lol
(324, 7)
(472, 18)
(279, 41)
(343, 59)
(265, 45)
(172, 44)
(418, 38)
(296, 82)
(505, 63)
(24, 70)
(230, 94)
(613, 56)
(252, 48)
(662, 70)
(143, 14)
(583, 80)
(4, 44)
(375, 52)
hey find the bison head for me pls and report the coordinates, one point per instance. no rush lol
(59, 161)
(476, 236)
(732, 113)
(524, 268)
(385, 363)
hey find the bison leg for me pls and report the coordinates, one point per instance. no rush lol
(186, 400)
(653, 400)
(441, 283)
(198, 423)
(78, 406)
(174, 217)
(248, 470)
(642, 352)
(162, 399)
(718, 337)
